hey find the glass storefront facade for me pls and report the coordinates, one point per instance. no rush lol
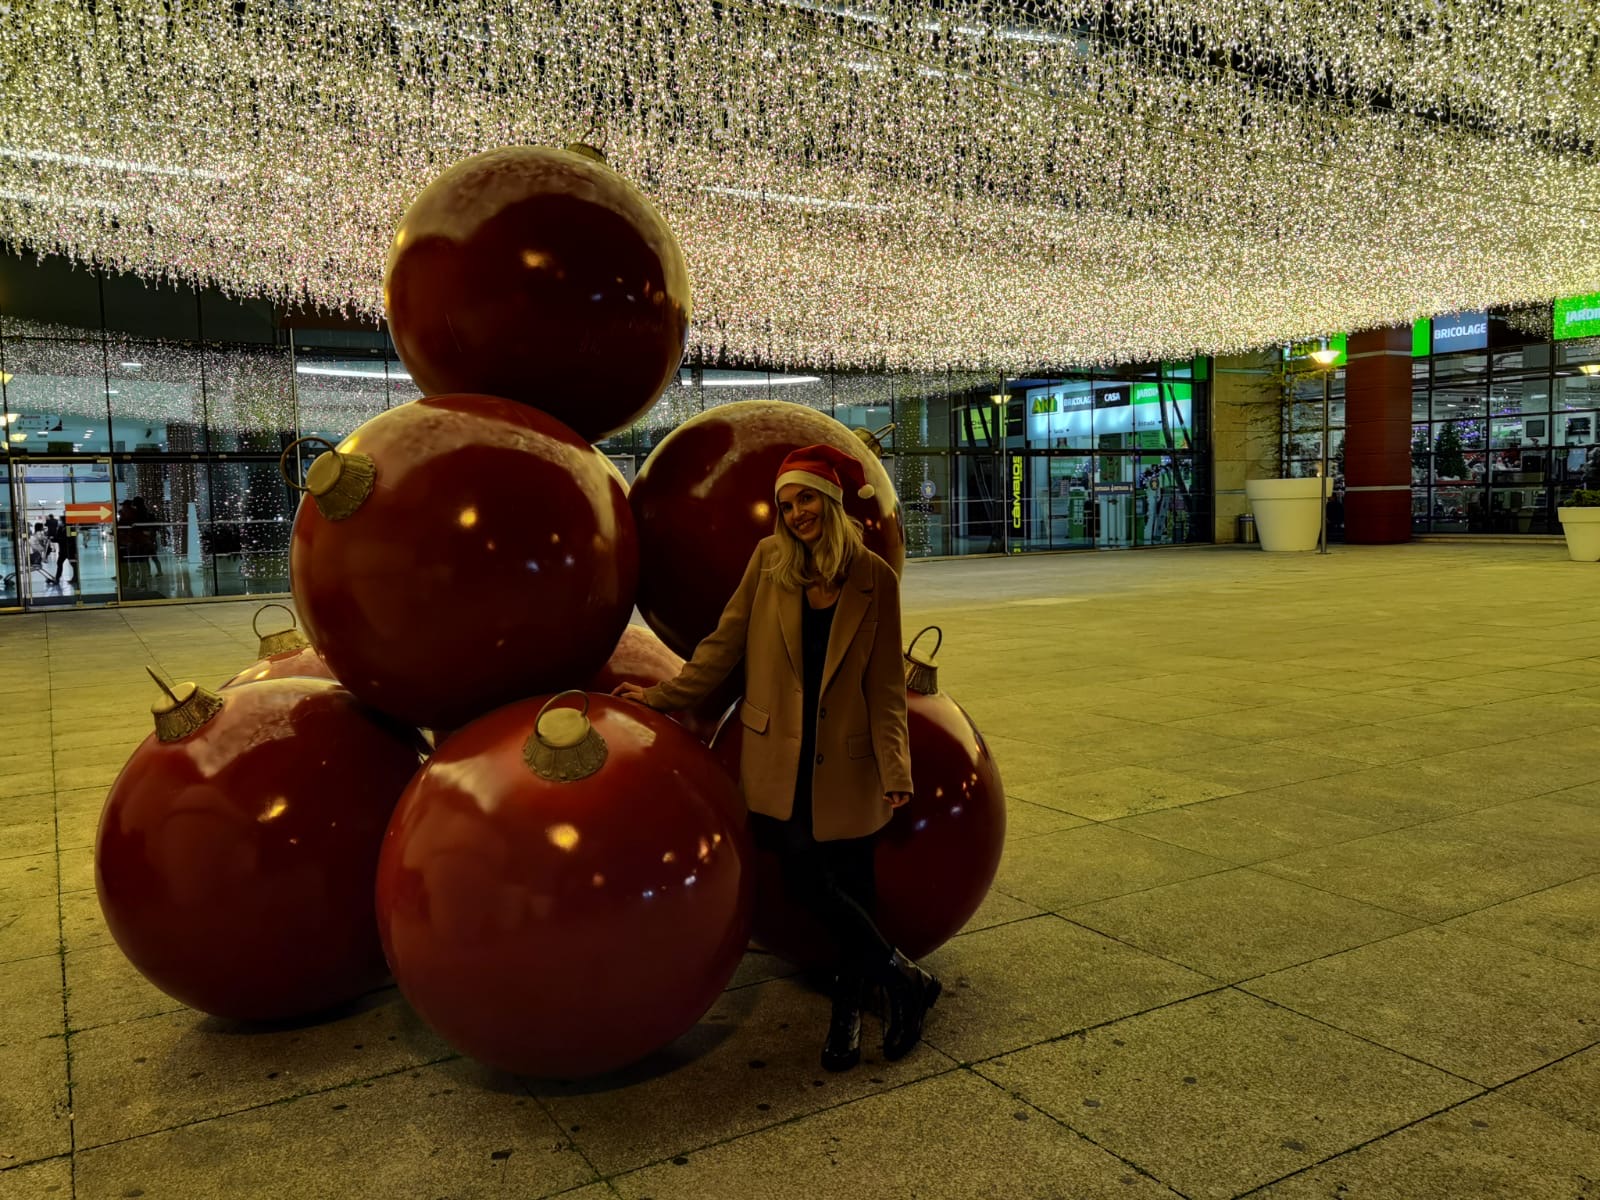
(1505, 417)
(143, 426)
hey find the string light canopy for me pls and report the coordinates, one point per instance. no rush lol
(900, 184)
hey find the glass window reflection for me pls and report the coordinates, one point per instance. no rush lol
(249, 399)
(158, 404)
(55, 396)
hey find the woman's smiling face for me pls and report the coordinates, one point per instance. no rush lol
(801, 509)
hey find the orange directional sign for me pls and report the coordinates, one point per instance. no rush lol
(97, 513)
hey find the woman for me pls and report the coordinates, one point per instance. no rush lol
(825, 758)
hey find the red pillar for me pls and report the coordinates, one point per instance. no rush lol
(1377, 437)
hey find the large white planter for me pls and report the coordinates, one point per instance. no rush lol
(1582, 527)
(1288, 511)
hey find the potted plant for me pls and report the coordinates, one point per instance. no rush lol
(1288, 512)
(1580, 521)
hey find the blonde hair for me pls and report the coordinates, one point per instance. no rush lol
(798, 566)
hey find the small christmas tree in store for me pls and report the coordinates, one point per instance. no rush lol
(1449, 462)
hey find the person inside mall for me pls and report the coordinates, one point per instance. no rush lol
(825, 757)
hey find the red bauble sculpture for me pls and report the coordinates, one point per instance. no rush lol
(643, 658)
(703, 499)
(937, 857)
(460, 552)
(282, 655)
(238, 848)
(543, 276)
(563, 902)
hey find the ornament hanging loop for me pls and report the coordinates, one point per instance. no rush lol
(922, 667)
(283, 459)
(338, 481)
(255, 621)
(281, 641)
(872, 439)
(564, 747)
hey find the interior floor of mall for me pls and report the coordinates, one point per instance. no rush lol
(1299, 900)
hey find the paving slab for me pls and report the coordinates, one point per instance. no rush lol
(1251, 826)
(1237, 924)
(1560, 922)
(103, 988)
(1483, 1010)
(51, 1178)
(454, 1129)
(1222, 1093)
(34, 1108)
(954, 1137)
(1024, 819)
(1487, 1149)
(29, 923)
(1121, 791)
(1433, 871)
(750, 1063)
(1094, 862)
(140, 1076)
(1033, 980)
(1567, 1089)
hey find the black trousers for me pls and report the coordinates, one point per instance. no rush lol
(834, 881)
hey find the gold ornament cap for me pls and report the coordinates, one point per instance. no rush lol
(922, 666)
(564, 747)
(338, 482)
(590, 152)
(284, 641)
(182, 709)
(872, 439)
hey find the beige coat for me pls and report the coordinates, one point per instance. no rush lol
(862, 748)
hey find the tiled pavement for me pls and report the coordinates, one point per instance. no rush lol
(1301, 899)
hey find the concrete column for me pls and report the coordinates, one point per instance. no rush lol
(1246, 428)
(1377, 437)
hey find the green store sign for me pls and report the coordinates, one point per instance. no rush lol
(1577, 317)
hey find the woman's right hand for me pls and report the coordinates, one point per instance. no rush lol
(630, 691)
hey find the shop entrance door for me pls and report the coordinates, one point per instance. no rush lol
(1113, 499)
(65, 548)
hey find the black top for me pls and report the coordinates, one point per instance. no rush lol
(815, 626)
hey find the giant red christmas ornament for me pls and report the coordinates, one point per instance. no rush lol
(459, 552)
(560, 892)
(281, 655)
(543, 276)
(937, 857)
(643, 658)
(703, 499)
(238, 848)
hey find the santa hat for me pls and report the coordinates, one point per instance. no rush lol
(827, 470)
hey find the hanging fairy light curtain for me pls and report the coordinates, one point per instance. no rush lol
(889, 183)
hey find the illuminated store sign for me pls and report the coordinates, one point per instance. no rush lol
(1460, 331)
(1157, 414)
(1578, 317)
(1016, 492)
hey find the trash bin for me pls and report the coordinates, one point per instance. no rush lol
(1247, 529)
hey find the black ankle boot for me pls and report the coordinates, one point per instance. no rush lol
(909, 993)
(842, 1050)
